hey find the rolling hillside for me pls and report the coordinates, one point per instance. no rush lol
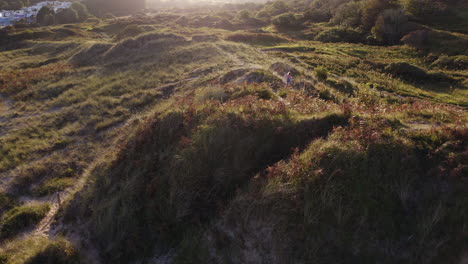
(171, 137)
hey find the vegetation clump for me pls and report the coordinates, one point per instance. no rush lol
(340, 35)
(22, 217)
(56, 252)
(321, 74)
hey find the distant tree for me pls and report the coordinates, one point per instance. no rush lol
(66, 16)
(41, 15)
(262, 14)
(287, 21)
(348, 15)
(244, 15)
(276, 8)
(391, 26)
(315, 15)
(372, 9)
(49, 19)
(423, 8)
(81, 10)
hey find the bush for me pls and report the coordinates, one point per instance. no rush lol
(321, 74)
(81, 10)
(275, 8)
(437, 42)
(391, 26)
(262, 14)
(52, 186)
(316, 16)
(423, 8)
(66, 16)
(287, 21)
(49, 19)
(419, 39)
(57, 252)
(339, 34)
(406, 71)
(459, 62)
(19, 218)
(45, 16)
(371, 11)
(6, 203)
(348, 15)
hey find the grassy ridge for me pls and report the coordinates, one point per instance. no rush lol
(203, 168)
(385, 195)
(214, 147)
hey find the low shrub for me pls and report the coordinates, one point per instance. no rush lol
(437, 42)
(459, 62)
(287, 21)
(20, 218)
(424, 8)
(348, 15)
(342, 86)
(259, 77)
(317, 16)
(419, 39)
(406, 71)
(340, 34)
(391, 26)
(52, 186)
(6, 202)
(56, 252)
(282, 69)
(321, 74)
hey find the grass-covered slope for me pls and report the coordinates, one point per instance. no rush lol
(172, 138)
(242, 179)
(182, 167)
(361, 195)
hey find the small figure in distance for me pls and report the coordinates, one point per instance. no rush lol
(288, 79)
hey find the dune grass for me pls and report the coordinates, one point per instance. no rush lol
(39, 250)
(199, 150)
(22, 217)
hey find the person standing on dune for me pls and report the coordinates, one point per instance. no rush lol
(288, 79)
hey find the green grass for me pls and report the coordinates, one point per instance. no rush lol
(39, 250)
(53, 186)
(22, 217)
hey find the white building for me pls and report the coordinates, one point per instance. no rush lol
(29, 13)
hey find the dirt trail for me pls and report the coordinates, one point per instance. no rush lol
(43, 228)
